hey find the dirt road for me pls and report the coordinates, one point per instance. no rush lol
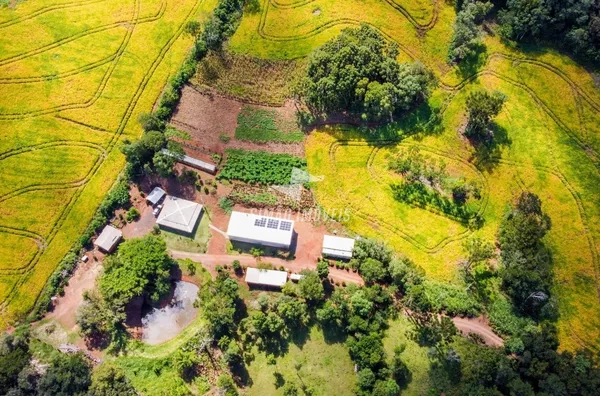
(210, 261)
(479, 326)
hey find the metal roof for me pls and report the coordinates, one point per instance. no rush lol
(191, 161)
(179, 214)
(155, 195)
(335, 246)
(269, 231)
(108, 238)
(266, 277)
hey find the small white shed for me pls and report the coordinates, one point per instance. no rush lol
(108, 238)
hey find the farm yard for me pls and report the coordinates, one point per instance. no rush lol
(310, 196)
(64, 111)
(550, 146)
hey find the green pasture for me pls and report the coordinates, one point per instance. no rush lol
(74, 76)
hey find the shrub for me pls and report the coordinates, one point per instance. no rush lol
(132, 214)
(226, 204)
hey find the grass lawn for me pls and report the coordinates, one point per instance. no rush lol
(415, 356)
(325, 367)
(197, 243)
(263, 125)
(74, 80)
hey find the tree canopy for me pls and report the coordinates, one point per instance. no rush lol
(140, 268)
(482, 106)
(358, 72)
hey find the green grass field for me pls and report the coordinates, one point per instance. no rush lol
(548, 143)
(74, 76)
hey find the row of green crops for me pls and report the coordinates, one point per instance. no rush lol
(260, 167)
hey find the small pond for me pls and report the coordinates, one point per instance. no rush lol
(160, 325)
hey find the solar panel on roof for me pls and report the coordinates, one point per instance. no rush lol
(273, 224)
(285, 225)
(260, 222)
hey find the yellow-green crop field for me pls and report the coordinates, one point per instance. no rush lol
(548, 137)
(74, 76)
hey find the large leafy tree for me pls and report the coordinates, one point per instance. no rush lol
(358, 72)
(140, 268)
(482, 106)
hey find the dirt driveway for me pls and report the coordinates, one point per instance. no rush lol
(210, 262)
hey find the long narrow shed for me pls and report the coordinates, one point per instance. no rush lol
(261, 277)
(337, 247)
(193, 162)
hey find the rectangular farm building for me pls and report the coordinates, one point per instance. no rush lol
(108, 238)
(271, 278)
(260, 230)
(193, 162)
(179, 214)
(337, 247)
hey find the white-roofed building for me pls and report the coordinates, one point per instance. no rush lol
(108, 238)
(337, 247)
(260, 230)
(155, 195)
(193, 162)
(179, 214)
(296, 277)
(262, 277)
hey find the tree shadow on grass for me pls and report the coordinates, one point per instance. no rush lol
(488, 153)
(469, 66)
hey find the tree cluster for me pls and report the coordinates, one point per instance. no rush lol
(538, 369)
(466, 38)
(140, 268)
(146, 153)
(574, 25)
(58, 374)
(526, 261)
(357, 72)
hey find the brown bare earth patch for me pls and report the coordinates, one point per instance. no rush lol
(249, 79)
(206, 116)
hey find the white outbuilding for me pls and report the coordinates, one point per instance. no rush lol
(337, 247)
(179, 215)
(263, 277)
(260, 230)
(155, 196)
(108, 238)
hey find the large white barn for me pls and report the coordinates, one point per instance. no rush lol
(260, 230)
